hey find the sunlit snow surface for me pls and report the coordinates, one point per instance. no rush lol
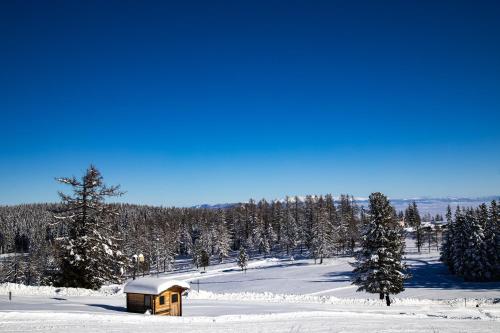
(274, 295)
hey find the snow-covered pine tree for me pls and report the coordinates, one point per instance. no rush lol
(379, 267)
(309, 216)
(322, 233)
(460, 243)
(204, 259)
(169, 233)
(243, 259)
(353, 226)
(258, 237)
(345, 212)
(337, 232)
(89, 253)
(298, 214)
(482, 215)
(289, 228)
(205, 241)
(277, 219)
(196, 255)
(492, 239)
(268, 236)
(250, 223)
(491, 246)
(412, 219)
(475, 258)
(222, 239)
(447, 245)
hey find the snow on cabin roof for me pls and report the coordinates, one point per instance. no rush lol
(153, 286)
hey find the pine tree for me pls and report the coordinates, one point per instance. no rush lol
(298, 214)
(446, 246)
(309, 218)
(348, 228)
(412, 219)
(269, 236)
(222, 239)
(243, 259)
(470, 249)
(378, 267)
(460, 243)
(322, 233)
(475, 258)
(196, 255)
(90, 254)
(289, 228)
(204, 259)
(492, 239)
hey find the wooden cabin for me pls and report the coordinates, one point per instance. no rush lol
(159, 295)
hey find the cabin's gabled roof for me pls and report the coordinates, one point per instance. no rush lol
(153, 286)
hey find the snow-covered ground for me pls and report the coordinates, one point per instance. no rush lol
(431, 279)
(278, 295)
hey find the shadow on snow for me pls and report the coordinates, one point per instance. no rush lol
(109, 307)
(435, 275)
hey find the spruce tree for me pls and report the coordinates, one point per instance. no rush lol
(492, 239)
(289, 230)
(243, 259)
(412, 219)
(309, 217)
(459, 243)
(89, 253)
(222, 238)
(322, 233)
(379, 267)
(204, 259)
(348, 229)
(475, 258)
(447, 245)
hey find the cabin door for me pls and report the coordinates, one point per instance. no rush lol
(147, 302)
(175, 304)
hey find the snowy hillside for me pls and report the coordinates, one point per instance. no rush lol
(278, 295)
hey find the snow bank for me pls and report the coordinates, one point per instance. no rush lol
(20, 289)
(291, 298)
(310, 321)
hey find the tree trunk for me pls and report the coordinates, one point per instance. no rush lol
(418, 239)
(381, 295)
(387, 300)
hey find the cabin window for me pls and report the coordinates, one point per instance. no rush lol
(162, 300)
(175, 298)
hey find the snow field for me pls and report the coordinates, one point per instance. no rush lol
(261, 300)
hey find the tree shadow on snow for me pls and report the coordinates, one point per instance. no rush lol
(281, 265)
(435, 275)
(345, 276)
(110, 307)
(285, 264)
(238, 281)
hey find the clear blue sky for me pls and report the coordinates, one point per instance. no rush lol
(219, 101)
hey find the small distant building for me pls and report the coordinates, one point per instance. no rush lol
(160, 296)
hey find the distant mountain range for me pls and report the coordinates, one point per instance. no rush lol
(425, 205)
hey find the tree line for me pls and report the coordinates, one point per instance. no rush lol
(471, 247)
(84, 241)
